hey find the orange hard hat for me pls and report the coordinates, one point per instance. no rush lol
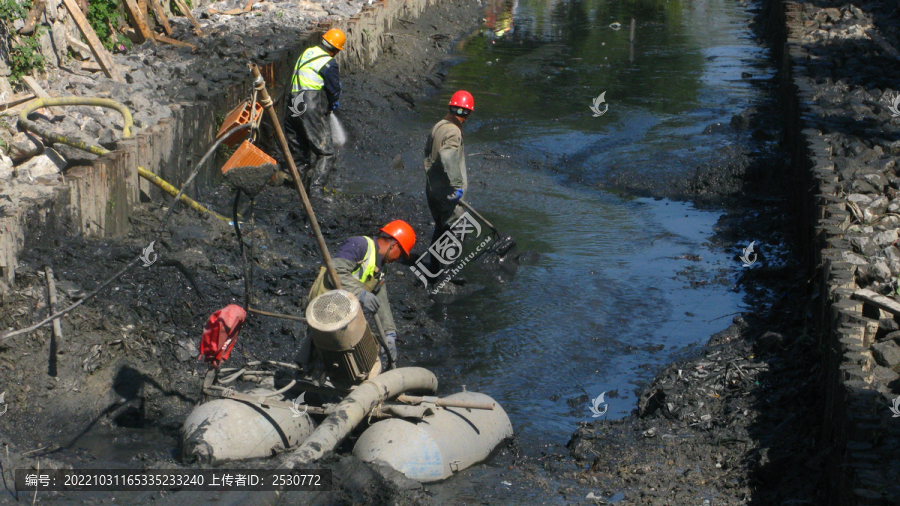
(335, 38)
(462, 98)
(402, 233)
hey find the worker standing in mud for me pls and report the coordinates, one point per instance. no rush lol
(359, 262)
(315, 91)
(445, 166)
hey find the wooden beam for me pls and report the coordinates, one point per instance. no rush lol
(139, 22)
(91, 66)
(161, 16)
(176, 43)
(187, 12)
(81, 48)
(100, 54)
(31, 21)
(38, 91)
(16, 100)
(879, 301)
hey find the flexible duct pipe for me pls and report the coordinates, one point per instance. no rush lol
(354, 408)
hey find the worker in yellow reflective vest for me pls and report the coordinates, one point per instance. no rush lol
(315, 91)
(359, 262)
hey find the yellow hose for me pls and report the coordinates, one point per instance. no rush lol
(100, 102)
(31, 126)
(171, 190)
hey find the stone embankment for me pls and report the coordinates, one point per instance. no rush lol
(843, 120)
(178, 97)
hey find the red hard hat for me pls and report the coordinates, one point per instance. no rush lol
(402, 233)
(462, 98)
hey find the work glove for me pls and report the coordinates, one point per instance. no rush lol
(390, 338)
(455, 196)
(335, 106)
(369, 302)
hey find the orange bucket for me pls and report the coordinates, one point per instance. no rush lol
(249, 168)
(240, 115)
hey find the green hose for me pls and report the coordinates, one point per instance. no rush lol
(31, 126)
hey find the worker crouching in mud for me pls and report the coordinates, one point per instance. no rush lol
(315, 91)
(445, 167)
(359, 262)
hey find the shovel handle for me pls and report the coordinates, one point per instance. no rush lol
(478, 215)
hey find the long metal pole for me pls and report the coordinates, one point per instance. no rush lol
(478, 215)
(260, 84)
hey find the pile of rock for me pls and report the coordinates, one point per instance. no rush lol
(844, 62)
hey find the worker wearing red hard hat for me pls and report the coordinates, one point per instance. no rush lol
(314, 94)
(445, 165)
(359, 262)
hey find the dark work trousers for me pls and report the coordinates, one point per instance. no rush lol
(310, 134)
(445, 213)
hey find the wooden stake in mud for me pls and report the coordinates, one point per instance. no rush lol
(57, 328)
(260, 84)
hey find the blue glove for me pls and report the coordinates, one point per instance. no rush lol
(369, 302)
(390, 338)
(455, 196)
(335, 106)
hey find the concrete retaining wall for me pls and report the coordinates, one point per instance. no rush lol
(860, 438)
(103, 196)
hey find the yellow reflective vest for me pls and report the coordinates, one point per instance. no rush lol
(306, 72)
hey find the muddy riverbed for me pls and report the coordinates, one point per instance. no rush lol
(629, 234)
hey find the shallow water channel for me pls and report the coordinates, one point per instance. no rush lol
(623, 282)
(617, 289)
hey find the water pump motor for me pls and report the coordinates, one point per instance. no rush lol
(340, 332)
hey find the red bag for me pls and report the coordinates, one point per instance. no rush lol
(221, 333)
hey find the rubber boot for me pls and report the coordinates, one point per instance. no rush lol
(319, 176)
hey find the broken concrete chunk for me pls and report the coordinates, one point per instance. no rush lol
(879, 271)
(885, 239)
(885, 375)
(888, 324)
(24, 146)
(108, 139)
(46, 166)
(876, 180)
(875, 209)
(6, 167)
(887, 354)
(853, 258)
(75, 156)
(859, 198)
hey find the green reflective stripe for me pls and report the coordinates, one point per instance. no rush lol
(366, 268)
(306, 72)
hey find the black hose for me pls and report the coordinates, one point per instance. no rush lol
(237, 230)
